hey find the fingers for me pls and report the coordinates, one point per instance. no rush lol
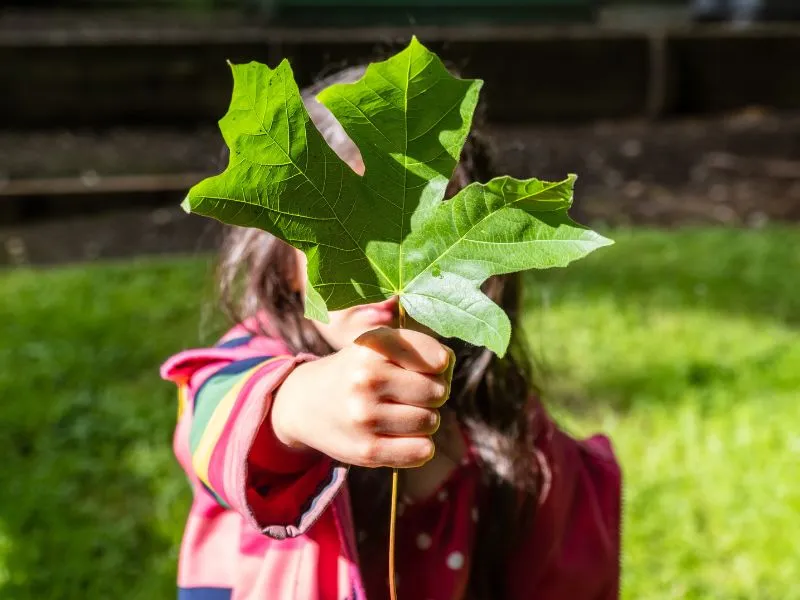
(393, 381)
(408, 349)
(389, 434)
(416, 389)
(398, 452)
(403, 420)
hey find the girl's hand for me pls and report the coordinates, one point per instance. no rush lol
(373, 403)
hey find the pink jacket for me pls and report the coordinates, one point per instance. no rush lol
(267, 523)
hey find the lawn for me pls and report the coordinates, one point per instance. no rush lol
(682, 345)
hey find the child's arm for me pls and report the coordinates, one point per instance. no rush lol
(225, 395)
(357, 406)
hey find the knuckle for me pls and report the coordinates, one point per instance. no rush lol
(368, 453)
(442, 360)
(423, 451)
(359, 376)
(437, 355)
(432, 421)
(364, 379)
(439, 390)
(440, 356)
(426, 423)
(361, 414)
(432, 391)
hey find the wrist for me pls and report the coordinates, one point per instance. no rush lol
(285, 406)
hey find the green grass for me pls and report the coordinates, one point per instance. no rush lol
(682, 345)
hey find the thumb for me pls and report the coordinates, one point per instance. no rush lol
(451, 366)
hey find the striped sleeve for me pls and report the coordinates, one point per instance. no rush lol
(229, 449)
(217, 404)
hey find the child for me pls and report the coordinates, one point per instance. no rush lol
(286, 424)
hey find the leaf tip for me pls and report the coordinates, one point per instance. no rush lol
(186, 205)
(415, 46)
(500, 352)
(604, 241)
(598, 241)
(498, 344)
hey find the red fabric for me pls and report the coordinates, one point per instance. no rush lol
(570, 552)
(573, 548)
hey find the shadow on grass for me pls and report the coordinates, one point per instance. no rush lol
(626, 390)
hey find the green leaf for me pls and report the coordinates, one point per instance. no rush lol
(501, 227)
(387, 233)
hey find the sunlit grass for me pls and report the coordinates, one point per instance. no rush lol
(690, 360)
(681, 345)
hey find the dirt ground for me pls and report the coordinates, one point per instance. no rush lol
(738, 170)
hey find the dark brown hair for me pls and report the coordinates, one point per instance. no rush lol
(492, 398)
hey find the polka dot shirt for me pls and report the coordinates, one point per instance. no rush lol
(434, 542)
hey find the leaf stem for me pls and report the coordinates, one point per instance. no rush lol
(401, 316)
(392, 528)
(393, 514)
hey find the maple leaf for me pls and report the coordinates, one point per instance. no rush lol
(388, 232)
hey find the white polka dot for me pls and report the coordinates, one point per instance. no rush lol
(442, 495)
(362, 535)
(455, 560)
(424, 541)
(475, 514)
(401, 508)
